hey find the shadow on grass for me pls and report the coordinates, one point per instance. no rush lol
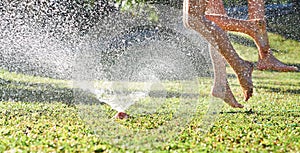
(270, 118)
(295, 113)
(241, 40)
(40, 92)
(239, 112)
(272, 89)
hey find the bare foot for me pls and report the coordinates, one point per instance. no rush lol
(228, 97)
(272, 63)
(267, 60)
(245, 79)
(121, 115)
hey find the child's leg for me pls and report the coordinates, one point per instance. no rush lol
(255, 27)
(194, 18)
(215, 7)
(221, 87)
(266, 60)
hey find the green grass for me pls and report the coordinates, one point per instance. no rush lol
(270, 121)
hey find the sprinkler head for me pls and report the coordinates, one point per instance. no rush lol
(121, 115)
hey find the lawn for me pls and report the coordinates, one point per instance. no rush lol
(48, 122)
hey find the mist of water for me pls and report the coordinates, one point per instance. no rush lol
(116, 59)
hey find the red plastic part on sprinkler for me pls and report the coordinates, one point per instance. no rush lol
(121, 115)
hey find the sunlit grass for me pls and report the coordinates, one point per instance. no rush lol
(270, 121)
(23, 78)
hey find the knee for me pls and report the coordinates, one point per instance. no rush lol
(193, 22)
(193, 14)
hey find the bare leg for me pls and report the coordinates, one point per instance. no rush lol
(215, 7)
(255, 27)
(221, 88)
(194, 18)
(266, 59)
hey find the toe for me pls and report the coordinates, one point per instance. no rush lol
(248, 94)
(238, 105)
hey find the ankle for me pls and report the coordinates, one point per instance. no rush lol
(264, 52)
(259, 23)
